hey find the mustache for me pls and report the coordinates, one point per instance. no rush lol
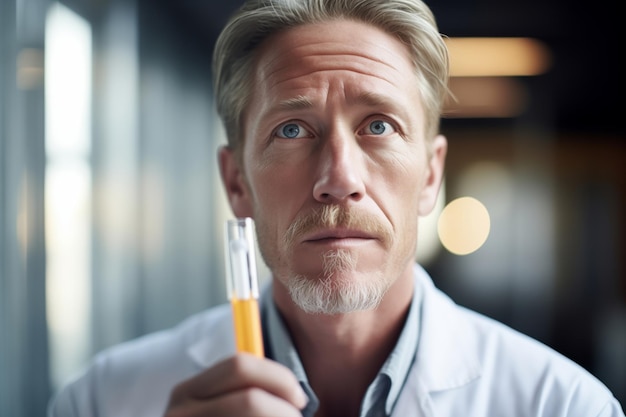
(333, 216)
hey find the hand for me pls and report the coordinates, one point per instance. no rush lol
(241, 386)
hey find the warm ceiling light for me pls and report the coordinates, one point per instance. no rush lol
(493, 97)
(484, 57)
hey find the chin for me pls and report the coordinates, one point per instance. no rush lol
(337, 293)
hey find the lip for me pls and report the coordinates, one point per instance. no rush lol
(328, 235)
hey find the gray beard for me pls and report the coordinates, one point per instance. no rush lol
(331, 294)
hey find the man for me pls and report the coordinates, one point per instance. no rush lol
(332, 111)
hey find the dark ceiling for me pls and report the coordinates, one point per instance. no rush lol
(581, 94)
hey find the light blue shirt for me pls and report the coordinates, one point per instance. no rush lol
(382, 393)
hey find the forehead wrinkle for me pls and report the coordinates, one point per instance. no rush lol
(272, 64)
(373, 99)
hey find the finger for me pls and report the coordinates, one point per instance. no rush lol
(240, 372)
(250, 402)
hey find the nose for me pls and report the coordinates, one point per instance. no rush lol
(340, 171)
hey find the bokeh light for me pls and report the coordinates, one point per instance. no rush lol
(464, 225)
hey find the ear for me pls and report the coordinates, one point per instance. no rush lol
(234, 183)
(432, 183)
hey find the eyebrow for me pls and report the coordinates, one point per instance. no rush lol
(371, 99)
(296, 103)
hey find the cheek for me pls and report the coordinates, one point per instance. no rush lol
(271, 186)
(404, 177)
(278, 192)
(400, 198)
(276, 197)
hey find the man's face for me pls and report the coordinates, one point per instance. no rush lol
(335, 169)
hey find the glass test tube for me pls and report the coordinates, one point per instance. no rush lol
(242, 285)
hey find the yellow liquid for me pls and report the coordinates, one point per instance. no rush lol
(247, 326)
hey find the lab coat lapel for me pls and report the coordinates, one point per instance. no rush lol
(216, 341)
(447, 356)
(414, 399)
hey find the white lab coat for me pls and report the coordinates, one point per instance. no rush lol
(467, 365)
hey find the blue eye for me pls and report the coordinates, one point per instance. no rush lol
(379, 127)
(291, 130)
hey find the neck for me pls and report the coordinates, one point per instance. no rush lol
(342, 354)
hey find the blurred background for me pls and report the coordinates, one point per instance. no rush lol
(111, 209)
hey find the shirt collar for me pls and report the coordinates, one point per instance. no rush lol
(399, 362)
(279, 347)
